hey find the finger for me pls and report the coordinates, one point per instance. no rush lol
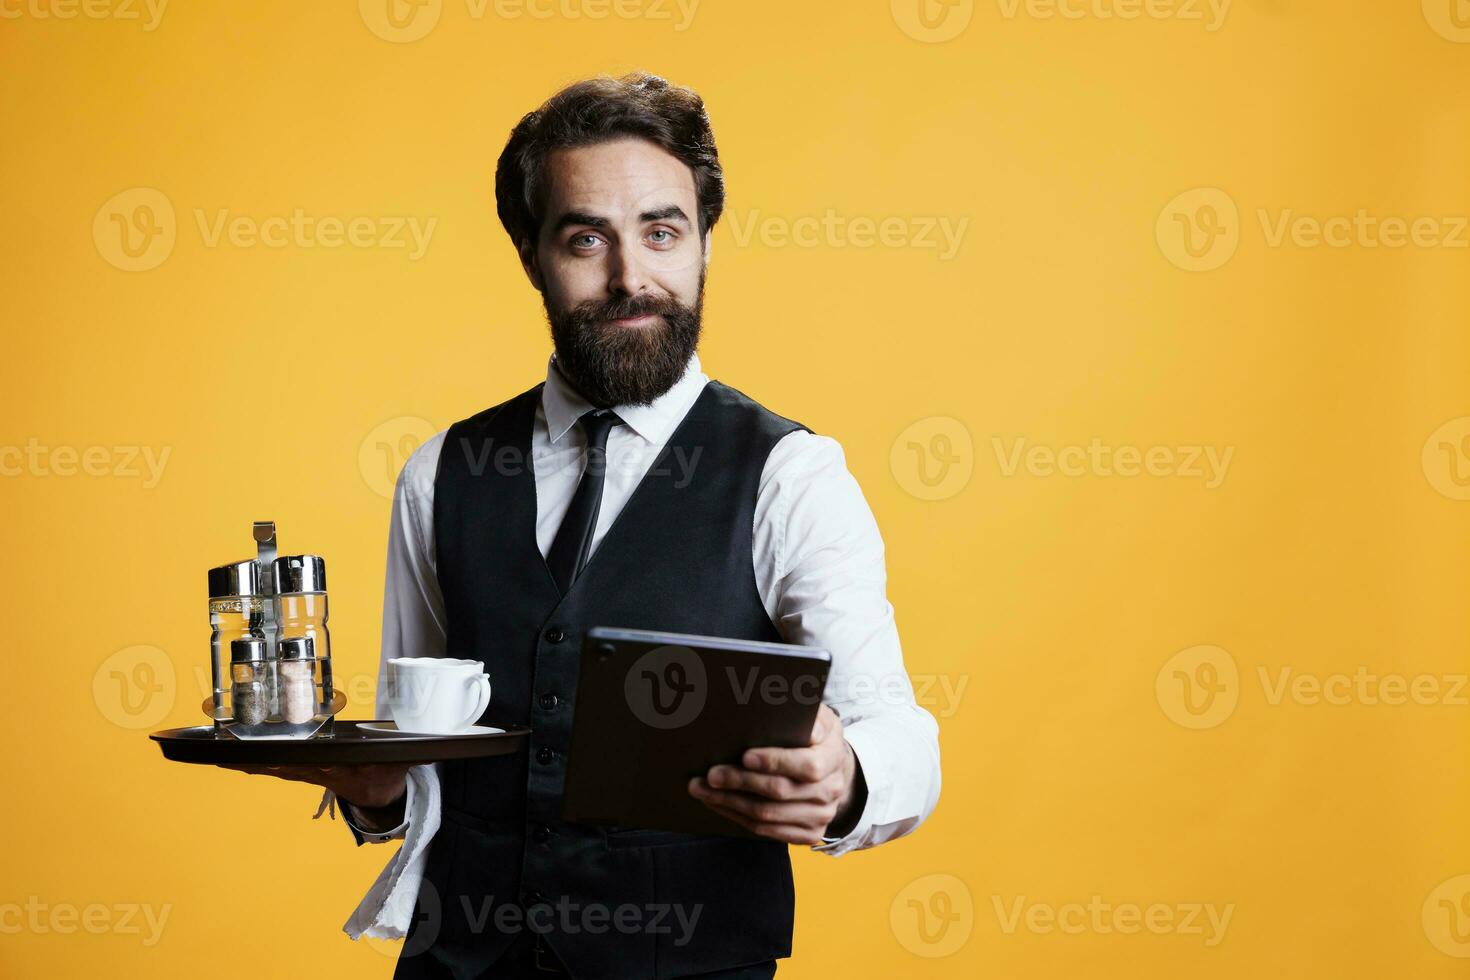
(786, 833)
(801, 765)
(822, 727)
(764, 810)
(772, 786)
(309, 774)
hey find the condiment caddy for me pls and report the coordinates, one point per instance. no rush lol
(270, 651)
(272, 698)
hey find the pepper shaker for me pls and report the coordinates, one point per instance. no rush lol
(250, 685)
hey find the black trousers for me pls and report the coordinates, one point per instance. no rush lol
(519, 963)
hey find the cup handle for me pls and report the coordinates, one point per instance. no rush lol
(482, 699)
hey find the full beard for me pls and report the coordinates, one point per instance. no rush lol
(612, 365)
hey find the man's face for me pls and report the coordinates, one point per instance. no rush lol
(620, 265)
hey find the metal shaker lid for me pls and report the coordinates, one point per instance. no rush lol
(247, 649)
(300, 573)
(297, 648)
(236, 578)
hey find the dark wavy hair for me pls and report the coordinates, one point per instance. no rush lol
(594, 111)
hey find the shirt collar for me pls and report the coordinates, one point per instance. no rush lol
(655, 422)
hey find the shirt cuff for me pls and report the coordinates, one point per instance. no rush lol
(853, 839)
(355, 821)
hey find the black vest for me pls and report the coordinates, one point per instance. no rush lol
(677, 558)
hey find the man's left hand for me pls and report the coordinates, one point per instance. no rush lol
(791, 795)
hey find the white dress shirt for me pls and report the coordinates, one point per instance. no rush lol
(818, 561)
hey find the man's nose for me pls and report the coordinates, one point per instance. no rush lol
(626, 274)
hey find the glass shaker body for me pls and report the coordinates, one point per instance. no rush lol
(301, 585)
(298, 680)
(237, 610)
(251, 679)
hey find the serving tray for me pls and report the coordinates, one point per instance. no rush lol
(348, 745)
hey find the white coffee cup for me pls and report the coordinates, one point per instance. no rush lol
(436, 695)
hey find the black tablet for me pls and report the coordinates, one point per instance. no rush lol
(653, 710)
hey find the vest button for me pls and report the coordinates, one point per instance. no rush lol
(555, 635)
(541, 835)
(545, 756)
(547, 701)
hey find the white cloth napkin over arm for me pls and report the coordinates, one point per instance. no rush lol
(386, 911)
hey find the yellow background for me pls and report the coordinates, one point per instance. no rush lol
(1335, 541)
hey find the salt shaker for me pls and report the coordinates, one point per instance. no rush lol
(297, 665)
(301, 591)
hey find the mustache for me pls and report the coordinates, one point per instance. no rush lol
(593, 311)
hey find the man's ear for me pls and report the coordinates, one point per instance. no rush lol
(709, 241)
(532, 264)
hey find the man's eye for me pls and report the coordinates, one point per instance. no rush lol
(585, 241)
(662, 236)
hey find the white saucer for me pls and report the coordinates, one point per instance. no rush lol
(389, 728)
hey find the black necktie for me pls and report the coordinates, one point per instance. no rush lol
(573, 542)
